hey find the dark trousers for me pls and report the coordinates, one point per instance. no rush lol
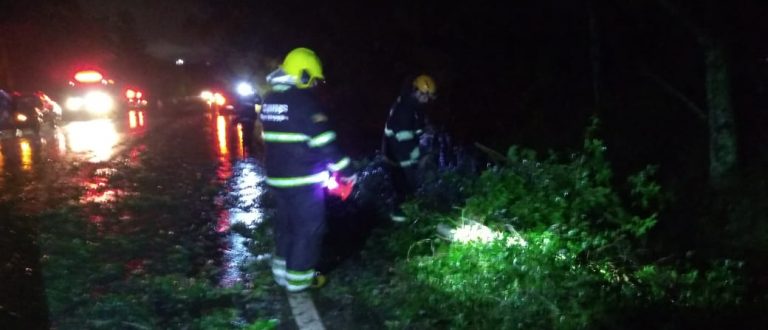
(405, 180)
(248, 126)
(299, 225)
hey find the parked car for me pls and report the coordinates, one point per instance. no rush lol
(25, 112)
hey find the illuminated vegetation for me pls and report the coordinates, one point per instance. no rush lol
(543, 243)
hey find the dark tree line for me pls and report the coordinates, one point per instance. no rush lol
(677, 73)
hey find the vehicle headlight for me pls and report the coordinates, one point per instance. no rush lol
(74, 103)
(245, 89)
(98, 102)
(219, 99)
(21, 117)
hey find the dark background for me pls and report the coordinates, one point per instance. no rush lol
(524, 72)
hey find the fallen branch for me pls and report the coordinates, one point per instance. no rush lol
(495, 155)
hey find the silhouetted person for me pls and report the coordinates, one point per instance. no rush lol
(402, 132)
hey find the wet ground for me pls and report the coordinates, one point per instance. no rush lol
(150, 220)
(114, 176)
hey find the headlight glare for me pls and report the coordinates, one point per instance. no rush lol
(98, 102)
(74, 103)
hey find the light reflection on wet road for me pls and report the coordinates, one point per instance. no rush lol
(94, 140)
(246, 187)
(32, 166)
(243, 179)
(37, 172)
(85, 155)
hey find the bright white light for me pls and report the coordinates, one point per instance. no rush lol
(331, 183)
(245, 89)
(98, 102)
(474, 232)
(248, 189)
(132, 119)
(56, 108)
(96, 138)
(206, 95)
(180, 61)
(89, 76)
(74, 103)
(62, 142)
(21, 117)
(219, 99)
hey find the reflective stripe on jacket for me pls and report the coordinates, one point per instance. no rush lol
(300, 143)
(402, 130)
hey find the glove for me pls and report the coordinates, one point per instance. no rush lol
(342, 186)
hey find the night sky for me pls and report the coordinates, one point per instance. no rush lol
(161, 24)
(508, 73)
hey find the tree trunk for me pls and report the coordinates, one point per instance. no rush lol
(722, 127)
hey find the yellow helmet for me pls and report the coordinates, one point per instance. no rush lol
(425, 84)
(304, 66)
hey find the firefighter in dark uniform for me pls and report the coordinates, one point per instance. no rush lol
(247, 110)
(402, 133)
(300, 157)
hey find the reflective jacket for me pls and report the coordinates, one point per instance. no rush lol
(299, 142)
(404, 127)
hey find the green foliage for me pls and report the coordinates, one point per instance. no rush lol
(572, 199)
(90, 281)
(263, 325)
(543, 244)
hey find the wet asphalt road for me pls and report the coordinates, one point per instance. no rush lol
(41, 173)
